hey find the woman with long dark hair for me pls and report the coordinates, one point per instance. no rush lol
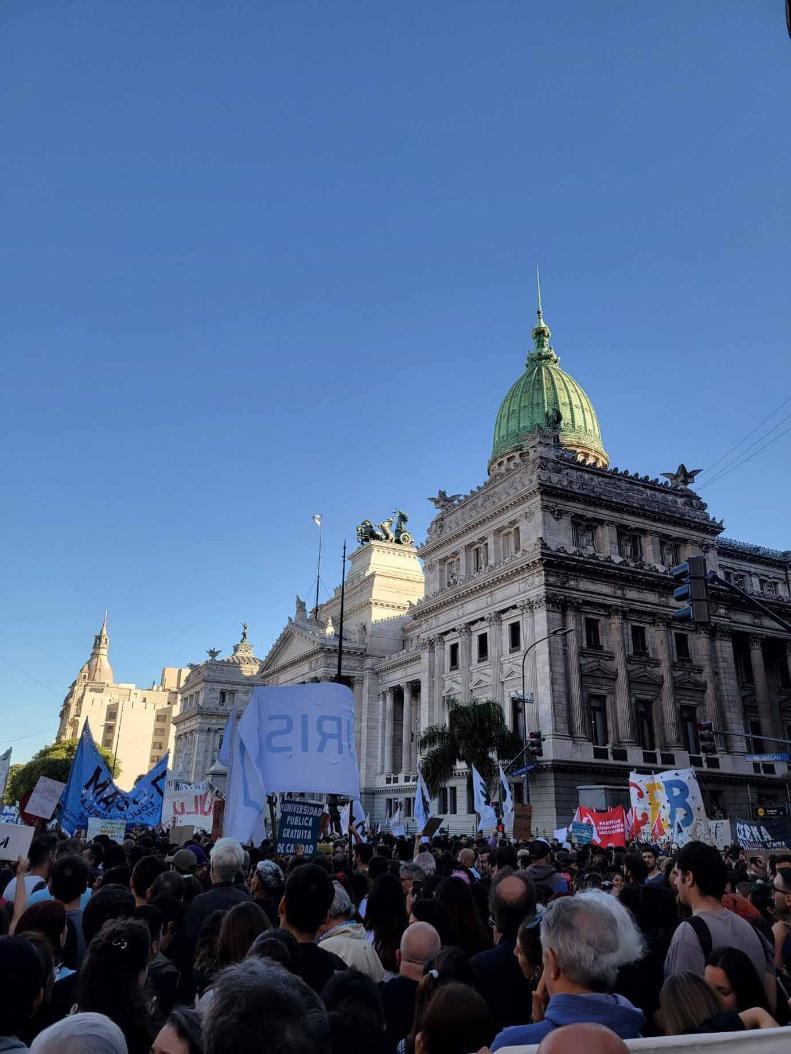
(466, 923)
(386, 920)
(112, 981)
(731, 975)
(240, 927)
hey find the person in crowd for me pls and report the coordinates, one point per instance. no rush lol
(593, 1039)
(412, 877)
(426, 862)
(181, 1034)
(85, 1033)
(22, 984)
(239, 928)
(467, 927)
(226, 859)
(585, 940)
(542, 873)
(498, 977)
(457, 1020)
(257, 999)
(700, 886)
(356, 1017)
(267, 887)
(528, 953)
(184, 862)
(420, 944)
(466, 857)
(435, 914)
(781, 930)
(67, 884)
(112, 980)
(386, 920)
(163, 976)
(344, 937)
(732, 978)
(48, 918)
(144, 874)
(654, 875)
(688, 1005)
(303, 908)
(207, 964)
(109, 902)
(40, 856)
(277, 946)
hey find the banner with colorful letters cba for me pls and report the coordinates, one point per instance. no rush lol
(91, 791)
(668, 806)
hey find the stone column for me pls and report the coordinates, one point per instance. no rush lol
(788, 658)
(465, 661)
(427, 660)
(550, 671)
(495, 648)
(358, 717)
(415, 723)
(610, 534)
(623, 700)
(769, 724)
(437, 713)
(728, 690)
(574, 677)
(715, 708)
(387, 765)
(406, 729)
(652, 548)
(669, 734)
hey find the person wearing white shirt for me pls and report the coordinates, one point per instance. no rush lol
(40, 856)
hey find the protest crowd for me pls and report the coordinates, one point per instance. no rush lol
(440, 946)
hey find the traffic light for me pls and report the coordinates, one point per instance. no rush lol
(693, 588)
(534, 741)
(706, 737)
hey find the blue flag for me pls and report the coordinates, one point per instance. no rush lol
(91, 791)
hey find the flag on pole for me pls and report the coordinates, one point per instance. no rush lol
(422, 802)
(317, 519)
(508, 803)
(245, 796)
(487, 817)
(397, 823)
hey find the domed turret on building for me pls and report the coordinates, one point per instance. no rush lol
(545, 397)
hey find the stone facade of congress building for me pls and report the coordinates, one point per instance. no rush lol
(555, 539)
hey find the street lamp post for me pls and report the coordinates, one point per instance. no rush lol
(559, 632)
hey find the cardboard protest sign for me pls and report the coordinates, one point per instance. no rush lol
(299, 826)
(182, 834)
(114, 829)
(582, 833)
(46, 795)
(15, 840)
(188, 803)
(432, 826)
(523, 822)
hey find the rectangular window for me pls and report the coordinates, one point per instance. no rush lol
(453, 656)
(689, 730)
(682, 645)
(758, 745)
(161, 719)
(517, 539)
(157, 746)
(480, 556)
(452, 571)
(514, 636)
(443, 800)
(597, 708)
(671, 554)
(518, 718)
(408, 803)
(639, 641)
(470, 796)
(223, 698)
(584, 535)
(592, 635)
(630, 546)
(452, 804)
(483, 647)
(768, 587)
(645, 724)
(739, 580)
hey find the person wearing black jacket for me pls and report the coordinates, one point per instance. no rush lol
(226, 859)
(498, 977)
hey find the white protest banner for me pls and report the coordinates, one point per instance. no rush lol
(114, 829)
(300, 738)
(46, 795)
(668, 804)
(188, 804)
(242, 811)
(15, 839)
(5, 765)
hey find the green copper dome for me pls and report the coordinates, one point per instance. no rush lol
(546, 397)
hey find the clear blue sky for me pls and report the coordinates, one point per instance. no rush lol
(261, 260)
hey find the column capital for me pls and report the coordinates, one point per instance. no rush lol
(465, 630)
(756, 643)
(494, 619)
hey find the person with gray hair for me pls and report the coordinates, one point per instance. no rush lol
(347, 939)
(585, 939)
(427, 862)
(259, 1005)
(81, 1034)
(226, 858)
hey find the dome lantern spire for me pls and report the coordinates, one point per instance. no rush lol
(541, 333)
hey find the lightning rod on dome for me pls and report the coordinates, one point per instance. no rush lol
(538, 285)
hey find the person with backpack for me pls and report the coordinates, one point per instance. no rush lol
(700, 884)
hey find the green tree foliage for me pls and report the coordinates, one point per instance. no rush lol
(53, 761)
(7, 799)
(476, 734)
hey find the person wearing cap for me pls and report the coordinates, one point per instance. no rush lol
(542, 872)
(184, 861)
(267, 885)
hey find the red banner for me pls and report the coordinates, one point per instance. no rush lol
(609, 828)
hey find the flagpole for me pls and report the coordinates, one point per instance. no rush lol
(318, 569)
(340, 625)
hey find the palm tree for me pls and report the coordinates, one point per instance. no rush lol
(473, 733)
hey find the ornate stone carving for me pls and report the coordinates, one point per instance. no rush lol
(444, 501)
(392, 530)
(682, 477)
